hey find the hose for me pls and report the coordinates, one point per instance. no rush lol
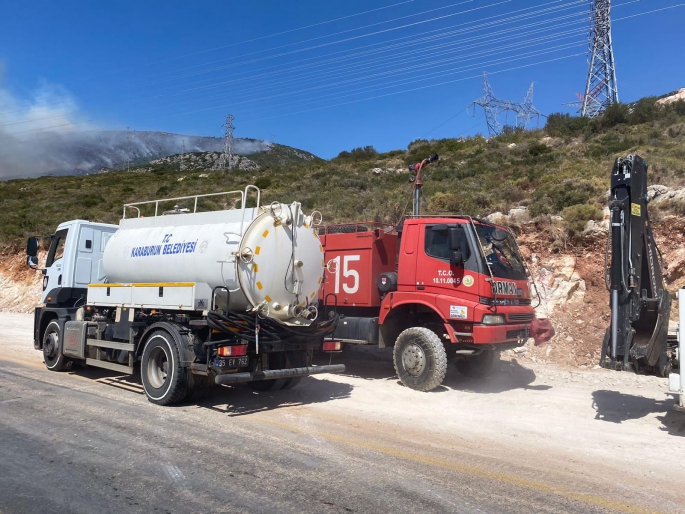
(244, 326)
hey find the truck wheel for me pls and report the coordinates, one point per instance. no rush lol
(420, 359)
(296, 359)
(477, 366)
(164, 380)
(201, 388)
(53, 361)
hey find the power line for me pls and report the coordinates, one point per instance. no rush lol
(263, 37)
(309, 90)
(216, 107)
(356, 67)
(419, 88)
(410, 79)
(351, 30)
(509, 18)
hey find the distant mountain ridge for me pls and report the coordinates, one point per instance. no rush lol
(86, 153)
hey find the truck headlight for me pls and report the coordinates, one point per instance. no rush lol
(494, 319)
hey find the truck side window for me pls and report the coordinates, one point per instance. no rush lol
(56, 247)
(437, 244)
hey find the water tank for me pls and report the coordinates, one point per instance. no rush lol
(269, 257)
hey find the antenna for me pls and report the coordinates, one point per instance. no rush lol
(225, 162)
(494, 107)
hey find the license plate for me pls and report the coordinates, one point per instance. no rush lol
(232, 362)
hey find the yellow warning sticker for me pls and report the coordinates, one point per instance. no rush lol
(635, 209)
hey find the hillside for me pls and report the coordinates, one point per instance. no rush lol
(99, 151)
(562, 169)
(549, 183)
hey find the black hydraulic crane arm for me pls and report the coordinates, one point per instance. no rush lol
(640, 303)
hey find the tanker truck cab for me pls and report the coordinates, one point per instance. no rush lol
(442, 288)
(195, 296)
(74, 260)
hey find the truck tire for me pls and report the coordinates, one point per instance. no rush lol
(51, 339)
(201, 388)
(420, 359)
(164, 379)
(477, 366)
(296, 359)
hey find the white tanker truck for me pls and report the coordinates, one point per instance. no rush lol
(198, 298)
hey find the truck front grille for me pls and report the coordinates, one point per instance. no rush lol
(505, 301)
(520, 317)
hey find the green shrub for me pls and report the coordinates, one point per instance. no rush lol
(538, 149)
(365, 153)
(644, 111)
(565, 125)
(615, 114)
(263, 182)
(577, 216)
(556, 196)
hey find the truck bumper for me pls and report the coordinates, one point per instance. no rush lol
(499, 334)
(237, 378)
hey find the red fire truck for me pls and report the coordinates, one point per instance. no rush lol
(437, 289)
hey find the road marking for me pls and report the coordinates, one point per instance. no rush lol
(469, 470)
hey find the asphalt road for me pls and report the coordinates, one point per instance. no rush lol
(529, 440)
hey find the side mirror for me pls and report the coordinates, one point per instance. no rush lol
(499, 235)
(32, 262)
(454, 236)
(32, 247)
(457, 258)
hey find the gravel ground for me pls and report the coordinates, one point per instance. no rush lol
(531, 438)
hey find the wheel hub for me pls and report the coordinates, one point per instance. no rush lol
(50, 345)
(157, 367)
(413, 359)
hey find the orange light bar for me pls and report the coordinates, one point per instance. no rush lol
(232, 351)
(332, 346)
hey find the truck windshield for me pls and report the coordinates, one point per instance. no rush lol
(501, 253)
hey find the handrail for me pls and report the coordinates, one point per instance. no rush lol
(243, 198)
(244, 204)
(357, 224)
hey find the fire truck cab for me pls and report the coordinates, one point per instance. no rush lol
(437, 289)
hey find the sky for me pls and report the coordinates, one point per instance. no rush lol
(320, 76)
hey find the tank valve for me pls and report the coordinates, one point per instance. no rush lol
(299, 264)
(247, 255)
